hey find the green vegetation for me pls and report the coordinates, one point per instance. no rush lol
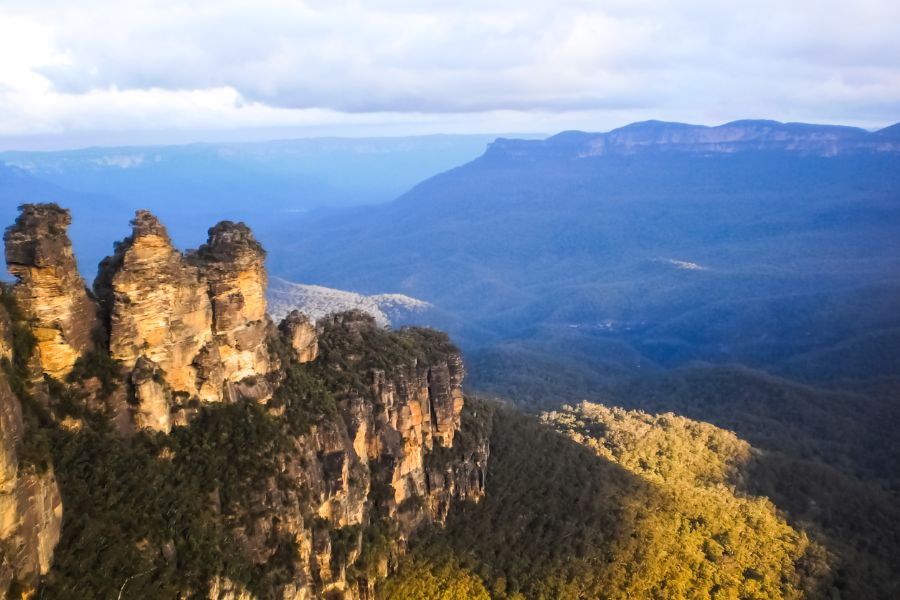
(417, 580)
(560, 520)
(23, 344)
(160, 510)
(828, 458)
(34, 450)
(97, 364)
(166, 514)
(352, 349)
(126, 503)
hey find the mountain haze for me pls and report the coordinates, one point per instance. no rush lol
(637, 236)
(257, 182)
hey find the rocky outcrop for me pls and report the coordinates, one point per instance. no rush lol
(30, 505)
(233, 264)
(408, 413)
(301, 334)
(49, 290)
(420, 408)
(198, 322)
(152, 397)
(388, 455)
(347, 434)
(156, 305)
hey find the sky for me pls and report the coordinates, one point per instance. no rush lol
(97, 72)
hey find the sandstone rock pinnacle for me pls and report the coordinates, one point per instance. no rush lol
(156, 304)
(51, 293)
(233, 264)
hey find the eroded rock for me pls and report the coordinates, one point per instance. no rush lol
(152, 397)
(156, 303)
(30, 505)
(300, 332)
(376, 445)
(233, 264)
(49, 290)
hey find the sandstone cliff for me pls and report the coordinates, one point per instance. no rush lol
(301, 333)
(30, 505)
(279, 462)
(49, 290)
(233, 264)
(156, 304)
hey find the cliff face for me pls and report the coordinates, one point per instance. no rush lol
(310, 451)
(49, 290)
(384, 458)
(301, 333)
(233, 264)
(30, 505)
(156, 304)
(198, 321)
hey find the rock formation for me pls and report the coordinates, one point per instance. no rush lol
(152, 397)
(233, 264)
(197, 321)
(301, 333)
(30, 505)
(389, 452)
(50, 291)
(156, 304)
(405, 414)
(355, 426)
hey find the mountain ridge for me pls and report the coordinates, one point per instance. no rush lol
(735, 136)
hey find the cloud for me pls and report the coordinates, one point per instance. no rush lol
(68, 66)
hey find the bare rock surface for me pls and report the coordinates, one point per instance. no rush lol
(301, 333)
(49, 290)
(233, 264)
(157, 304)
(30, 503)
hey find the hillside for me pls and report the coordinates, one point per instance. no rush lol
(621, 504)
(341, 459)
(593, 501)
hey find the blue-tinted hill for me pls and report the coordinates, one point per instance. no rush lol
(653, 244)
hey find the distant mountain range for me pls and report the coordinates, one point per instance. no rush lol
(576, 246)
(648, 246)
(257, 182)
(285, 175)
(737, 136)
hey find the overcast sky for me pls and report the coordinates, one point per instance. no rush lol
(86, 72)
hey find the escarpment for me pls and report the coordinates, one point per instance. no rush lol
(263, 461)
(30, 505)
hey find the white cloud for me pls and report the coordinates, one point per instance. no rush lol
(95, 65)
